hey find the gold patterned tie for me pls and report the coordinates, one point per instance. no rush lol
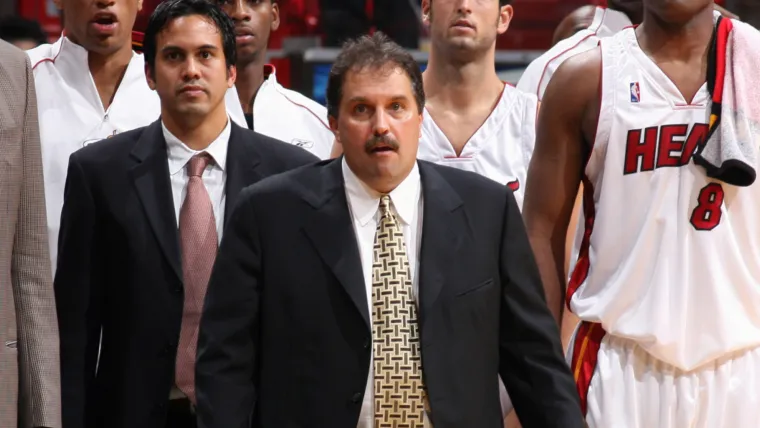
(399, 390)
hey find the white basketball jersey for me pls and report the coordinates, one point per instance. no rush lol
(669, 257)
(500, 149)
(537, 75)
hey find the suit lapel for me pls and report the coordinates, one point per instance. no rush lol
(444, 226)
(243, 163)
(331, 231)
(150, 176)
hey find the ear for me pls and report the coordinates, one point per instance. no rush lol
(426, 12)
(505, 17)
(275, 17)
(149, 78)
(139, 5)
(334, 128)
(231, 76)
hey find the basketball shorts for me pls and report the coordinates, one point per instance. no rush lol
(623, 386)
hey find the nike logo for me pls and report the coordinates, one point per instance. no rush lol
(514, 185)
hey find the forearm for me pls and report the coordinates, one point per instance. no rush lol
(551, 267)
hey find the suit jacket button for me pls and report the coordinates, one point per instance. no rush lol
(367, 343)
(357, 398)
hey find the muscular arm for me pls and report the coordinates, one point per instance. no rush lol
(565, 120)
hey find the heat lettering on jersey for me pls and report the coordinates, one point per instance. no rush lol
(663, 146)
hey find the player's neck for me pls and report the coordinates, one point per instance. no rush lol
(686, 42)
(250, 77)
(107, 72)
(459, 85)
(197, 132)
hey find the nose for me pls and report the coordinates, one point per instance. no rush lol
(465, 7)
(102, 4)
(239, 11)
(380, 124)
(191, 70)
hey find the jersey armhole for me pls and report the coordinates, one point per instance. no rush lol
(606, 94)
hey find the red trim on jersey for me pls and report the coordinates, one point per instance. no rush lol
(543, 73)
(580, 271)
(722, 34)
(588, 340)
(50, 59)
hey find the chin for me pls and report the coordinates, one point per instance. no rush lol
(104, 46)
(192, 111)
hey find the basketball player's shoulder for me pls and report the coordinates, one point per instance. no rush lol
(576, 81)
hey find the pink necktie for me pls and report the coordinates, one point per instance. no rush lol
(198, 243)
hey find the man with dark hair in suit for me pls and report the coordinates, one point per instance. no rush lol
(142, 217)
(375, 290)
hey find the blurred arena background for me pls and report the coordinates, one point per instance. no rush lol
(299, 49)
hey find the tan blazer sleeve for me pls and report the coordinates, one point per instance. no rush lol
(39, 364)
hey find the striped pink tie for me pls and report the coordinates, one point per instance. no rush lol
(198, 242)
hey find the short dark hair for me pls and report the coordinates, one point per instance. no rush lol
(13, 29)
(169, 10)
(371, 52)
(504, 2)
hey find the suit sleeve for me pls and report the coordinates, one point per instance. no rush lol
(226, 386)
(39, 375)
(532, 365)
(78, 293)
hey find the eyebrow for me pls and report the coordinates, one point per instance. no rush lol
(360, 99)
(175, 48)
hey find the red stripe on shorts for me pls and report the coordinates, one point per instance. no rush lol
(585, 356)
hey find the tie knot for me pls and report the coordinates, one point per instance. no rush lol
(385, 205)
(197, 164)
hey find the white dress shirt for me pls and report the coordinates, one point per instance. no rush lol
(364, 204)
(214, 176)
(71, 114)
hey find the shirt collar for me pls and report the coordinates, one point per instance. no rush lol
(365, 202)
(179, 153)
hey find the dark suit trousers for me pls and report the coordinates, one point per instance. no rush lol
(180, 414)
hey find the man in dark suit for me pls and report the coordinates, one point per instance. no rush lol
(142, 215)
(318, 316)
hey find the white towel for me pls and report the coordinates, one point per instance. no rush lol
(730, 153)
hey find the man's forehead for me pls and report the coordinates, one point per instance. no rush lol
(190, 29)
(378, 83)
(377, 73)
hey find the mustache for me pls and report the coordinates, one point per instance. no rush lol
(377, 140)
